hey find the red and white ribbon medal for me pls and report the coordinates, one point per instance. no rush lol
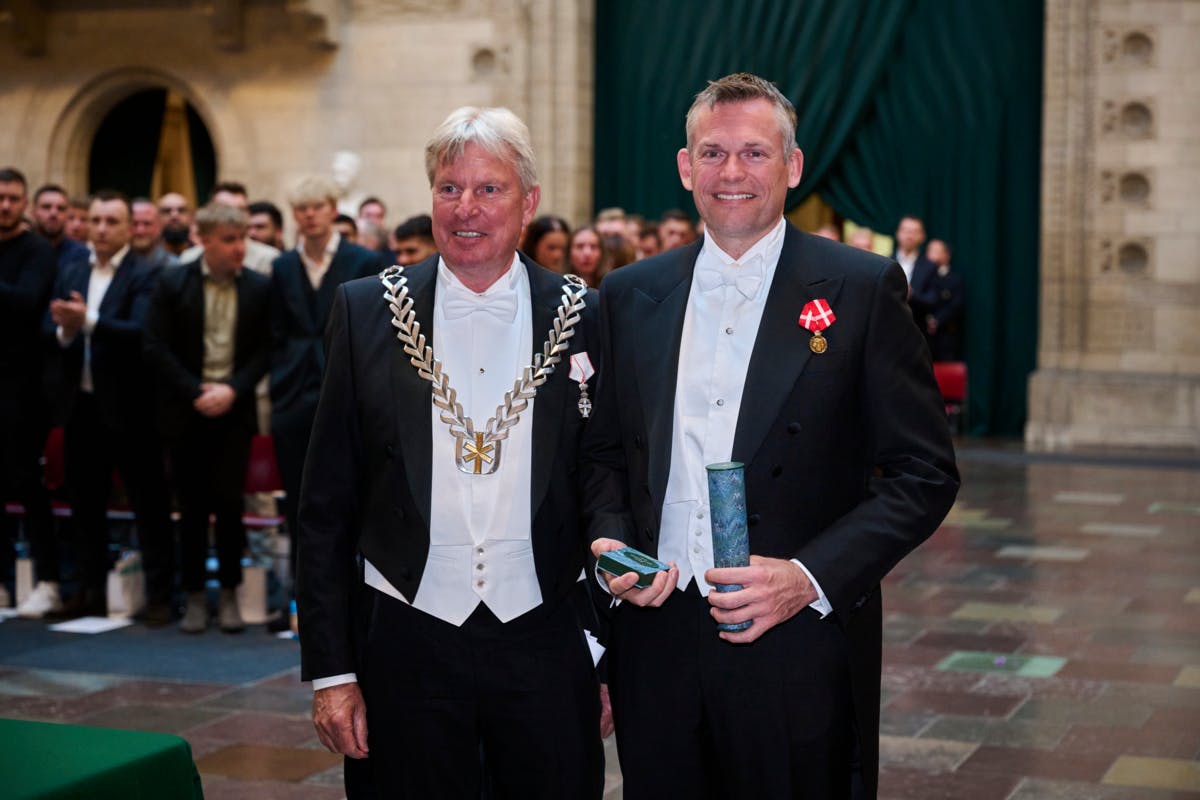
(816, 316)
(581, 370)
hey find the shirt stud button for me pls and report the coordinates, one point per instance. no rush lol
(720, 402)
(729, 330)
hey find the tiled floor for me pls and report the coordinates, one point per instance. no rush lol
(1044, 644)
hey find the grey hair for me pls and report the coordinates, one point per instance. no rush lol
(214, 215)
(496, 130)
(739, 88)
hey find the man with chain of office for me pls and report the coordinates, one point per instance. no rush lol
(439, 542)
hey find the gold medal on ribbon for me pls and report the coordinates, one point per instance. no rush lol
(818, 343)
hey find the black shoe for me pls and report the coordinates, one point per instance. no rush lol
(155, 615)
(86, 603)
(278, 623)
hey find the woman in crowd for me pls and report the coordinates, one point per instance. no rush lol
(546, 242)
(587, 257)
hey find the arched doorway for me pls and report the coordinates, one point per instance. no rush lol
(151, 142)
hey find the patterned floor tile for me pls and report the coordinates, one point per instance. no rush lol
(1090, 498)
(1036, 763)
(1189, 677)
(56, 682)
(221, 788)
(1158, 773)
(902, 783)
(931, 755)
(1006, 612)
(1121, 529)
(1128, 672)
(1044, 553)
(265, 698)
(1174, 508)
(1025, 666)
(1094, 712)
(1002, 733)
(957, 703)
(1042, 789)
(258, 727)
(160, 719)
(267, 762)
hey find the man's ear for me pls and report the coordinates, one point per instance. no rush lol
(684, 162)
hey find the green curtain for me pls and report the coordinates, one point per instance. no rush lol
(928, 107)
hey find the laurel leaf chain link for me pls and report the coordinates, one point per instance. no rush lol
(516, 400)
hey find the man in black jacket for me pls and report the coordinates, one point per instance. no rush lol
(208, 337)
(96, 319)
(27, 269)
(303, 283)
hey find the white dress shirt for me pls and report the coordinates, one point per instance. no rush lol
(479, 529)
(99, 280)
(316, 269)
(907, 262)
(720, 325)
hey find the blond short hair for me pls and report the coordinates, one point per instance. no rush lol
(313, 189)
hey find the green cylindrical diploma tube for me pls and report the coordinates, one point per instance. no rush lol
(730, 538)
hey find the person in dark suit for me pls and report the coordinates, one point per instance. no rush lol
(440, 550)
(27, 270)
(303, 283)
(106, 399)
(796, 356)
(939, 305)
(208, 337)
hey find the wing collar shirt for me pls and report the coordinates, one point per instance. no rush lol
(316, 269)
(100, 278)
(720, 325)
(479, 527)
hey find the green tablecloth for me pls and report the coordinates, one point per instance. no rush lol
(47, 760)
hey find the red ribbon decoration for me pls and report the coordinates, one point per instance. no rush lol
(816, 315)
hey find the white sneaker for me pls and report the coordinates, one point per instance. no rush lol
(41, 601)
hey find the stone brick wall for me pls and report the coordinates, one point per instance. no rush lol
(1119, 348)
(283, 85)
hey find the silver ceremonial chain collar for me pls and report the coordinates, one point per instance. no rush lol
(478, 452)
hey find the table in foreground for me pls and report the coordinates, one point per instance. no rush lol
(49, 760)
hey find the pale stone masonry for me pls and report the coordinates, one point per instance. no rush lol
(282, 85)
(1119, 346)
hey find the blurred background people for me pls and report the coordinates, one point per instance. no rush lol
(939, 303)
(412, 240)
(546, 241)
(585, 256)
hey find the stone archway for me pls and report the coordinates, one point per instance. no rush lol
(71, 141)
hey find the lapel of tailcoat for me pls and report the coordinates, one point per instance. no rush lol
(781, 348)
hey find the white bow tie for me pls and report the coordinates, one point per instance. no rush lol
(746, 279)
(502, 306)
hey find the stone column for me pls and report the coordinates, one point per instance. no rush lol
(1119, 349)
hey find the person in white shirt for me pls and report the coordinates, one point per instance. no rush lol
(797, 357)
(439, 537)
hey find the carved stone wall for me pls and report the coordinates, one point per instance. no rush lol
(284, 84)
(1119, 348)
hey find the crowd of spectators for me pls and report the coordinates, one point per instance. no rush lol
(161, 338)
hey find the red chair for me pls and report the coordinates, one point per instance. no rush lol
(262, 475)
(951, 379)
